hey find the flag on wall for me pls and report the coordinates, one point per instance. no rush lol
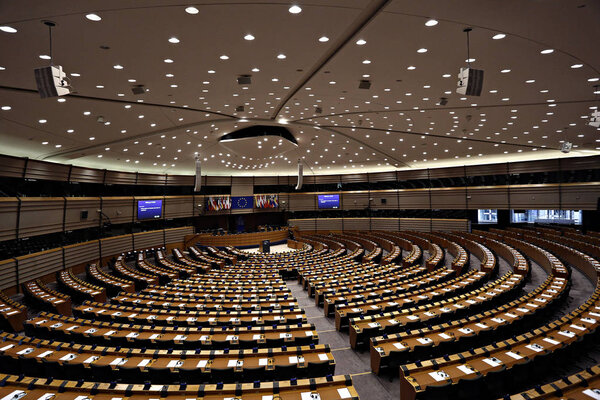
(218, 203)
(267, 201)
(238, 202)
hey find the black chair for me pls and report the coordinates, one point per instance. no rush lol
(285, 372)
(221, 375)
(130, 374)
(102, 373)
(160, 375)
(442, 392)
(275, 342)
(30, 366)
(193, 375)
(78, 371)
(9, 365)
(53, 369)
(322, 368)
(256, 374)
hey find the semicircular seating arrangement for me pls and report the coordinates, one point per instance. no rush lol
(449, 315)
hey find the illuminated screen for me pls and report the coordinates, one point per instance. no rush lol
(149, 209)
(329, 200)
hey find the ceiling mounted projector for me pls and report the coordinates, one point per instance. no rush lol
(258, 131)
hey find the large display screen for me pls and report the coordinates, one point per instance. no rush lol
(328, 200)
(149, 209)
(487, 216)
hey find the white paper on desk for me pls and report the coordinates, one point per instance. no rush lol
(57, 325)
(154, 336)
(175, 364)
(392, 321)
(204, 337)
(211, 319)
(263, 361)
(592, 393)
(285, 335)
(399, 346)
(144, 362)
(68, 357)
(47, 396)
(192, 319)
(524, 310)
(12, 312)
(180, 337)
(9, 346)
(293, 360)
(256, 337)
(588, 320)
(231, 337)
(25, 351)
(466, 331)
(118, 361)
(535, 347)
(72, 327)
(17, 394)
(100, 311)
(444, 336)
(374, 324)
(439, 375)
(171, 318)
(255, 318)
(45, 354)
(510, 315)
(323, 357)
(344, 393)
(579, 328)
(513, 355)
(491, 362)
(470, 301)
(357, 309)
(91, 330)
(133, 335)
(90, 360)
(110, 333)
(568, 334)
(82, 398)
(482, 326)
(310, 396)
(234, 363)
(424, 340)
(202, 364)
(412, 317)
(430, 314)
(499, 320)
(551, 341)
(465, 370)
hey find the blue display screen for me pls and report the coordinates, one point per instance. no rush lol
(149, 209)
(329, 200)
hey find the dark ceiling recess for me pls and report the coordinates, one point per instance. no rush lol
(258, 131)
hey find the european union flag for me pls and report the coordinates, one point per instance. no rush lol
(242, 202)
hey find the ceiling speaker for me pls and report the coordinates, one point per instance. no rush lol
(52, 81)
(470, 82)
(364, 84)
(244, 80)
(138, 89)
(239, 109)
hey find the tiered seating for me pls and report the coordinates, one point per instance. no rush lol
(111, 283)
(42, 297)
(78, 289)
(187, 262)
(140, 279)
(183, 270)
(165, 275)
(584, 385)
(12, 314)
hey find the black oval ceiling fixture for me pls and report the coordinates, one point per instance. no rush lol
(257, 131)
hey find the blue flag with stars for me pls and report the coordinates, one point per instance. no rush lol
(242, 202)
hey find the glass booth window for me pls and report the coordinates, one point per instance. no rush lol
(568, 217)
(487, 216)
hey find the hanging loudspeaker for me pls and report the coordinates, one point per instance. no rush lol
(198, 180)
(299, 185)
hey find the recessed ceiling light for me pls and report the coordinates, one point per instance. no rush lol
(530, 81)
(422, 50)
(93, 17)
(2, 68)
(8, 29)
(58, 146)
(446, 76)
(470, 60)
(168, 60)
(498, 36)
(191, 10)
(118, 66)
(99, 86)
(211, 71)
(44, 57)
(70, 130)
(169, 75)
(411, 67)
(295, 9)
(576, 66)
(323, 39)
(255, 69)
(61, 99)
(42, 121)
(173, 40)
(281, 56)
(505, 71)
(249, 37)
(547, 51)
(431, 22)
(360, 42)
(224, 57)
(366, 62)
(44, 143)
(589, 80)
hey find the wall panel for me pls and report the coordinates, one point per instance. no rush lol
(116, 245)
(8, 218)
(357, 224)
(488, 197)
(356, 200)
(390, 197)
(177, 235)
(46, 170)
(89, 175)
(144, 240)
(151, 179)
(580, 196)
(8, 273)
(75, 206)
(415, 224)
(81, 253)
(302, 202)
(448, 198)
(534, 196)
(12, 167)
(329, 224)
(40, 216)
(178, 206)
(120, 178)
(119, 209)
(448, 225)
(32, 266)
(384, 224)
(413, 199)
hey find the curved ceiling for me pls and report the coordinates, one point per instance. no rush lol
(540, 59)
